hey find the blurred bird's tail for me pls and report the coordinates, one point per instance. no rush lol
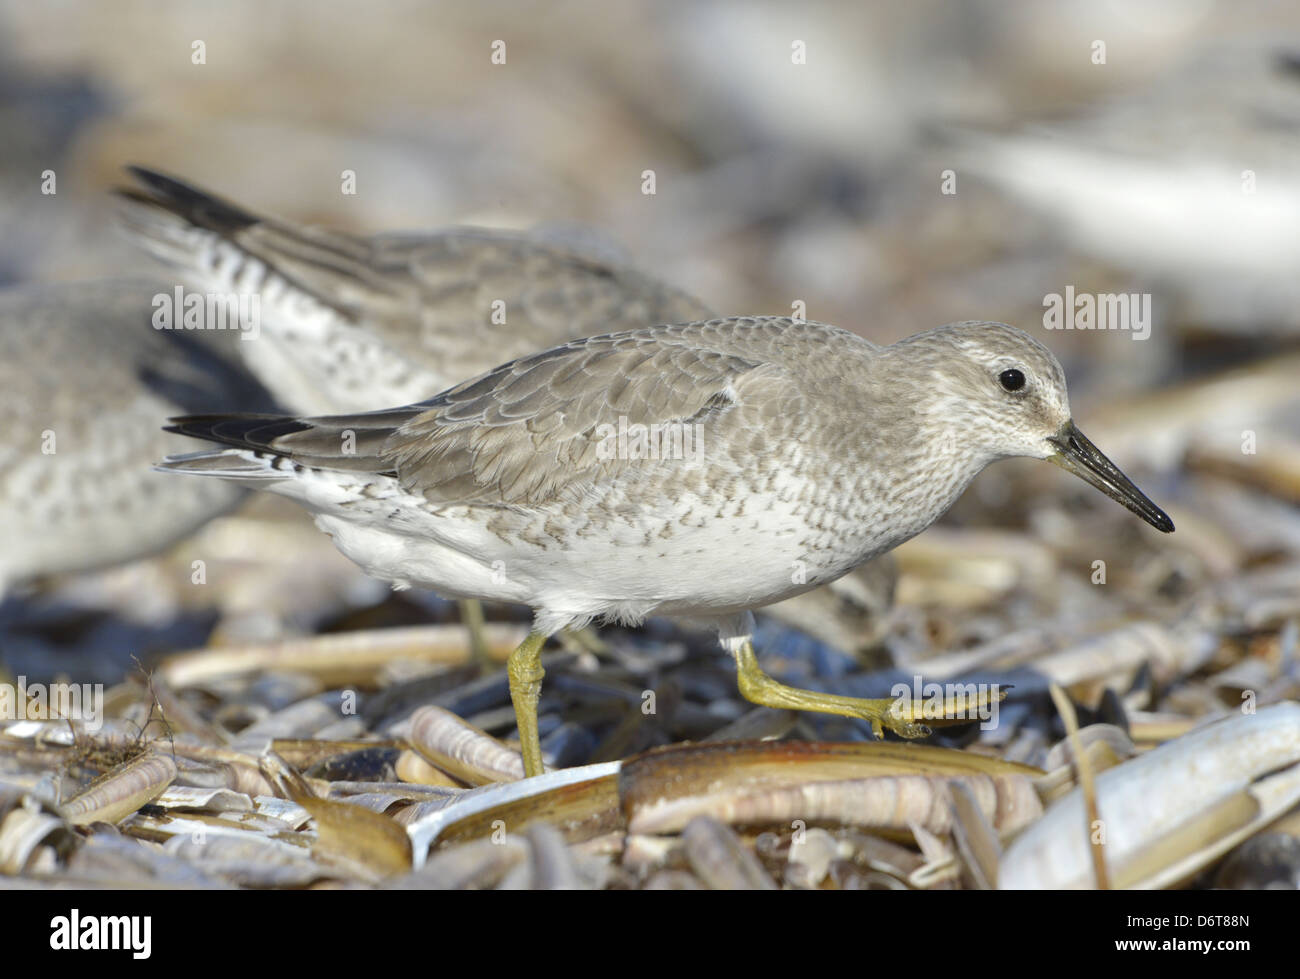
(222, 247)
(176, 223)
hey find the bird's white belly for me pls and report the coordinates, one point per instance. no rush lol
(678, 558)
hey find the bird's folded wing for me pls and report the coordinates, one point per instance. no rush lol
(420, 293)
(333, 267)
(526, 294)
(542, 429)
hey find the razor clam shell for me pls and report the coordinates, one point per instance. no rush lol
(1276, 471)
(204, 776)
(1149, 796)
(720, 859)
(551, 864)
(880, 855)
(392, 704)
(1171, 651)
(299, 720)
(1062, 753)
(248, 859)
(1059, 781)
(117, 860)
(1255, 808)
(1159, 425)
(976, 840)
(21, 831)
(759, 724)
(377, 802)
(251, 782)
(876, 784)
(520, 802)
(878, 802)
(207, 800)
(1148, 728)
(470, 700)
(1003, 651)
(600, 846)
(960, 567)
(202, 825)
(1028, 747)
(362, 843)
(336, 659)
(121, 791)
(287, 812)
(582, 811)
(517, 878)
(413, 769)
(342, 729)
(460, 749)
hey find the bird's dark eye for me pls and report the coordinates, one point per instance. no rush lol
(1012, 380)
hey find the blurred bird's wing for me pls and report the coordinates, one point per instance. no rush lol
(421, 294)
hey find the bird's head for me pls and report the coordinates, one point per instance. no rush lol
(1001, 394)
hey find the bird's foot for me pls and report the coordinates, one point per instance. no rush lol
(902, 715)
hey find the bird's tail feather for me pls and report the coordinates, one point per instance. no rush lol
(354, 443)
(185, 226)
(224, 463)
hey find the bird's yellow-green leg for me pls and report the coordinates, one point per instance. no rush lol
(471, 614)
(525, 671)
(759, 688)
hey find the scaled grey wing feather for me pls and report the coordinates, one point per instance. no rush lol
(528, 432)
(547, 294)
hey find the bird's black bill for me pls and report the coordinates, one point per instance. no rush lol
(1075, 453)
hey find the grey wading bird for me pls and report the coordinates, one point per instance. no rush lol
(816, 448)
(83, 379)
